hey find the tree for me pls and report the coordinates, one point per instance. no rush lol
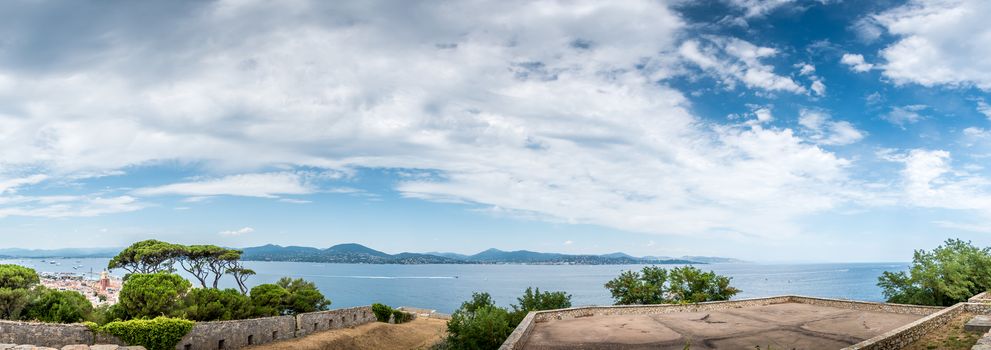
(219, 264)
(951, 273)
(478, 324)
(17, 277)
(689, 284)
(148, 256)
(632, 287)
(13, 302)
(152, 295)
(654, 285)
(268, 300)
(208, 304)
(241, 275)
(537, 301)
(59, 306)
(303, 296)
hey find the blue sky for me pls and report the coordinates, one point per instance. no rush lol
(764, 130)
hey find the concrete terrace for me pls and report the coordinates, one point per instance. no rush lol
(784, 322)
(780, 326)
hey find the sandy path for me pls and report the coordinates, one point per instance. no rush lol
(422, 333)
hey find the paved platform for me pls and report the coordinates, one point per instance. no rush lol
(782, 326)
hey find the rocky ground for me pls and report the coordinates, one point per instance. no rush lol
(421, 333)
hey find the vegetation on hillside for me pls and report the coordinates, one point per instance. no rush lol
(480, 324)
(654, 285)
(951, 273)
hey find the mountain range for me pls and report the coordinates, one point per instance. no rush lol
(358, 254)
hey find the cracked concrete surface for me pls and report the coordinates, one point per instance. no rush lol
(781, 326)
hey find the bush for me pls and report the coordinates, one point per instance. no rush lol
(208, 304)
(152, 295)
(654, 285)
(951, 273)
(160, 333)
(13, 302)
(17, 277)
(382, 312)
(303, 296)
(400, 316)
(478, 324)
(537, 301)
(59, 306)
(268, 300)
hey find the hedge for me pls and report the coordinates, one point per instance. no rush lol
(400, 316)
(382, 312)
(160, 333)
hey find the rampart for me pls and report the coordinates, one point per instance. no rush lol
(218, 335)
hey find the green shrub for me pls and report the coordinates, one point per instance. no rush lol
(400, 316)
(160, 333)
(951, 273)
(268, 300)
(478, 324)
(536, 301)
(152, 295)
(382, 312)
(13, 302)
(303, 296)
(17, 277)
(654, 285)
(59, 306)
(208, 304)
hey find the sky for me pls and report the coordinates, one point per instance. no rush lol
(762, 130)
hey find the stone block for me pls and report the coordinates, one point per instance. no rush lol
(76, 347)
(7, 346)
(978, 324)
(134, 347)
(104, 347)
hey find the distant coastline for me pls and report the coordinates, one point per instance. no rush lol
(353, 253)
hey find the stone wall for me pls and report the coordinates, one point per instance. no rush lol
(983, 297)
(904, 335)
(333, 319)
(225, 335)
(868, 306)
(44, 334)
(238, 333)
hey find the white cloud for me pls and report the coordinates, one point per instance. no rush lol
(984, 108)
(867, 29)
(548, 110)
(930, 181)
(11, 185)
(903, 115)
(569, 242)
(238, 232)
(940, 42)
(856, 62)
(267, 185)
(733, 61)
(758, 8)
(66, 206)
(823, 130)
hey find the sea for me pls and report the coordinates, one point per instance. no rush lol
(445, 287)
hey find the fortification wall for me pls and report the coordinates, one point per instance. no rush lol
(332, 319)
(900, 337)
(44, 334)
(238, 333)
(225, 335)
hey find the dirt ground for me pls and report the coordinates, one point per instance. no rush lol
(780, 326)
(422, 333)
(950, 336)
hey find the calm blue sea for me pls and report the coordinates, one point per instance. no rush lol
(444, 287)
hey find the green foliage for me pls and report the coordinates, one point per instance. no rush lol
(400, 316)
(303, 296)
(689, 284)
(59, 306)
(160, 333)
(13, 302)
(951, 273)
(382, 312)
(535, 300)
(208, 304)
(152, 295)
(17, 277)
(268, 299)
(654, 285)
(148, 256)
(478, 324)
